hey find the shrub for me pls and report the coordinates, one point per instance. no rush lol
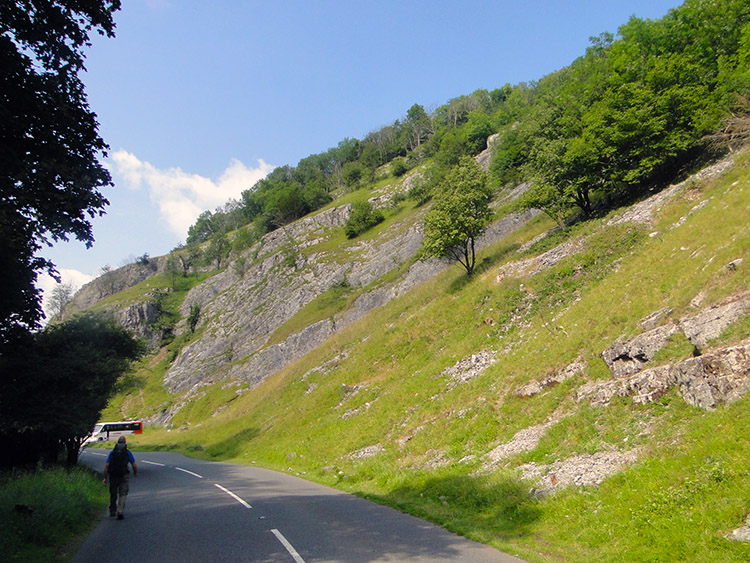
(362, 218)
(399, 167)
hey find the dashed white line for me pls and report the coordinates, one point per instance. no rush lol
(288, 546)
(235, 497)
(153, 463)
(189, 472)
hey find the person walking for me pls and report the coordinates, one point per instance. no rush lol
(116, 469)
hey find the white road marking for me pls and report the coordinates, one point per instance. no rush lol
(152, 463)
(189, 472)
(100, 455)
(288, 546)
(235, 497)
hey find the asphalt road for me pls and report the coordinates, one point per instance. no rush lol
(182, 509)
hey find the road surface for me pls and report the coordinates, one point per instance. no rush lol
(182, 509)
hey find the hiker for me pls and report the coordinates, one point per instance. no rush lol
(119, 476)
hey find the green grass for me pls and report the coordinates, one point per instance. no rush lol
(56, 507)
(380, 382)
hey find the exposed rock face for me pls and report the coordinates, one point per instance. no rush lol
(710, 323)
(244, 312)
(706, 381)
(484, 159)
(138, 319)
(630, 357)
(114, 282)
(273, 358)
(643, 212)
(721, 377)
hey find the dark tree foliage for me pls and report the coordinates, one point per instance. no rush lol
(53, 389)
(50, 175)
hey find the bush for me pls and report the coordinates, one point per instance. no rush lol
(362, 218)
(399, 167)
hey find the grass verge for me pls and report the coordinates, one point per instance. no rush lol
(43, 513)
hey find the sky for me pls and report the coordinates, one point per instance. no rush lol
(199, 100)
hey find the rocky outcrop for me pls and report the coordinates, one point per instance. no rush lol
(139, 319)
(712, 379)
(273, 358)
(742, 533)
(710, 323)
(580, 470)
(244, 312)
(626, 360)
(643, 212)
(532, 266)
(629, 357)
(484, 158)
(113, 282)
(467, 369)
(523, 441)
(722, 376)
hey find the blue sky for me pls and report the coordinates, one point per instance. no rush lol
(198, 100)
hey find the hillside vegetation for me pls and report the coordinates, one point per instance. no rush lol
(581, 396)
(391, 408)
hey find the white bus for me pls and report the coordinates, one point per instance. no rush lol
(105, 431)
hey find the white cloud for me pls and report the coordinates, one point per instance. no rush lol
(181, 196)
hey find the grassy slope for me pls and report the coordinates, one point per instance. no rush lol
(384, 389)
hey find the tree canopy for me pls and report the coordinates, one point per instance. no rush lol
(50, 176)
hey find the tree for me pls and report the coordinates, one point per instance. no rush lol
(172, 269)
(189, 256)
(194, 316)
(50, 176)
(418, 125)
(62, 294)
(217, 250)
(459, 215)
(205, 226)
(53, 390)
